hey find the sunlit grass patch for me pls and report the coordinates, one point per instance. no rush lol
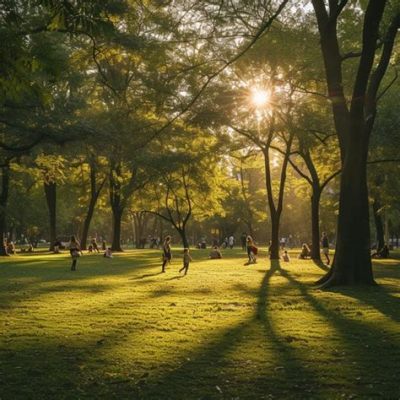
(120, 328)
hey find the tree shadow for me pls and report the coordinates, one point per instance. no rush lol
(321, 265)
(210, 365)
(366, 344)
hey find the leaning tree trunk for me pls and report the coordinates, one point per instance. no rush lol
(315, 233)
(352, 262)
(380, 231)
(5, 184)
(50, 190)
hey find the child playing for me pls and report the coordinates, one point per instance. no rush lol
(108, 253)
(285, 256)
(251, 250)
(186, 261)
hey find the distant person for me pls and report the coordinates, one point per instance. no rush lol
(108, 253)
(325, 247)
(11, 247)
(251, 250)
(285, 256)
(95, 247)
(243, 238)
(75, 251)
(186, 261)
(381, 253)
(215, 253)
(224, 244)
(30, 248)
(166, 253)
(57, 246)
(305, 252)
(231, 241)
(104, 245)
(283, 243)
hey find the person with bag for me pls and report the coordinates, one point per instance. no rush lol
(75, 251)
(252, 250)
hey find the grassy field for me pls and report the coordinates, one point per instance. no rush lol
(119, 329)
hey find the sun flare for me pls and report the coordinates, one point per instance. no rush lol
(259, 97)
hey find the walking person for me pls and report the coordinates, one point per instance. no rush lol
(243, 238)
(251, 250)
(75, 251)
(186, 261)
(95, 246)
(325, 247)
(166, 253)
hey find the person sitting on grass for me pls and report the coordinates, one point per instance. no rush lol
(285, 256)
(108, 253)
(252, 250)
(75, 251)
(11, 247)
(186, 261)
(305, 252)
(381, 253)
(30, 248)
(215, 253)
(57, 246)
(166, 253)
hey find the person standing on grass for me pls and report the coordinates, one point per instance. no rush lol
(251, 250)
(166, 253)
(95, 246)
(325, 247)
(243, 240)
(231, 241)
(75, 251)
(186, 261)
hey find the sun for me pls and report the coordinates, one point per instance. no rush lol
(259, 97)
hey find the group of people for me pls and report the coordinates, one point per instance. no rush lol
(76, 251)
(10, 247)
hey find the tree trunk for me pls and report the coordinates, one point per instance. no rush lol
(275, 220)
(5, 184)
(380, 234)
(185, 242)
(352, 263)
(87, 221)
(315, 233)
(50, 190)
(116, 229)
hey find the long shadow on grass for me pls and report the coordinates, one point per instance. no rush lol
(210, 373)
(372, 351)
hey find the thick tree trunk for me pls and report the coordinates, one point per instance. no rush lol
(86, 223)
(5, 184)
(50, 190)
(275, 220)
(380, 232)
(116, 229)
(185, 242)
(315, 233)
(352, 263)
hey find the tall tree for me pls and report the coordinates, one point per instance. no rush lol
(354, 121)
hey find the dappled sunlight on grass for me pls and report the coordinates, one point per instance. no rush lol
(120, 328)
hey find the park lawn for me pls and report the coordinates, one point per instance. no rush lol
(118, 328)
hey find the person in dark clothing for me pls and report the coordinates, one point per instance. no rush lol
(95, 247)
(325, 247)
(243, 238)
(166, 253)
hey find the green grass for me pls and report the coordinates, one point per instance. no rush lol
(119, 329)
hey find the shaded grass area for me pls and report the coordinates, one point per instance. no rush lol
(120, 329)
